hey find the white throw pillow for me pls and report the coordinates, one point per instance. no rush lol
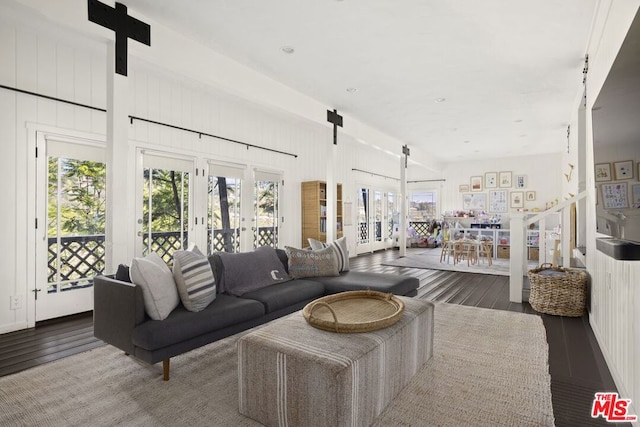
(159, 291)
(339, 247)
(194, 279)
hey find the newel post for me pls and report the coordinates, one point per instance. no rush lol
(517, 255)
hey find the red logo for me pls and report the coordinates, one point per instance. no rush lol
(613, 409)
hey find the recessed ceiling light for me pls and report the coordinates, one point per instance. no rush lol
(352, 89)
(440, 99)
(518, 120)
(522, 135)
(287, 49)
(467, 141)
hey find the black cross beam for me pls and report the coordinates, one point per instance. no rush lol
(407, 153)
(125, 27)
(336, 119)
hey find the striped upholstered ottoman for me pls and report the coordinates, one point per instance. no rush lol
(291, 373)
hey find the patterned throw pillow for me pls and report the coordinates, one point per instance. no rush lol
(303, 263)
(194, 279)
(158, 287)
(339, 247)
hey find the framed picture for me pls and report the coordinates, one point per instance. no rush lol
(635, 195)
(517, 199)
(498, 201)
(463, 188)
(623, 170)
(476, 183)
(505, 179)
(521, 181)
(603, 172)
(530, 196)
(474, 201)
(490, 179)
(614, 195)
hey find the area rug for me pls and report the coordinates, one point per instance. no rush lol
(430, 259)
(489, 369)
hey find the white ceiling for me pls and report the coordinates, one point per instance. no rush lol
(510, 71)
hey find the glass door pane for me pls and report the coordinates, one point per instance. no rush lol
(75, 223)
(378, 202)
(223, 226)
(392, 215)
(165, 211)
(266, 194)
(363, 216)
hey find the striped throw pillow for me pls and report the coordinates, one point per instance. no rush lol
(338, 246)
(194, 279)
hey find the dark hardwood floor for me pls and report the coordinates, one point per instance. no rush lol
(576, 365)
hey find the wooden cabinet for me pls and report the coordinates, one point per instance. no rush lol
(314, 211)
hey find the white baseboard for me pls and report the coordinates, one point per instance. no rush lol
(12, 327)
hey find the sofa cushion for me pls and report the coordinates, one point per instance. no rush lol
(158, 287)
(181, 325)
(194, 279)
(281, 295)
(339, 246)
(304, 263)
(248, 271)
(361, 280)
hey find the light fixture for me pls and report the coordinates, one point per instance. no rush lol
(466, 141)
(440, 100)
(518, 120)
(352, 89)
(287, 49)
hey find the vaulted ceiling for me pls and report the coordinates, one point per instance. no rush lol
(461, 79)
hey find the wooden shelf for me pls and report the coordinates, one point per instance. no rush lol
(314, 217)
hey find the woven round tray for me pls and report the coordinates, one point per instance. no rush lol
(354, 311)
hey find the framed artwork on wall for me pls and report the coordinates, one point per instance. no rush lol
(498, 201)
(474, 201)
(521, 181)
(476, 183)
(463, 188)
(623, 170)
(517, 199)
(614, 195)
(603, 172)
(490, 179)
(530, 196)
(505, 179)
(635, 195)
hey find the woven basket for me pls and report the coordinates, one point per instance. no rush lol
(561, 293)
(354, 311)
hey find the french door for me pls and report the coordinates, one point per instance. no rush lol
(165, 204)
(374, 216)
(71, 196)
(243, 208)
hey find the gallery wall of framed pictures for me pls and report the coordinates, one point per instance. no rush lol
(497, 192)
(617, 184)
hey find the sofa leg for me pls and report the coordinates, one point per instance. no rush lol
(165, 369)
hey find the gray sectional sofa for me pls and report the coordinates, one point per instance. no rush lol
(120, 318)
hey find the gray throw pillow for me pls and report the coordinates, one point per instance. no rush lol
(303, 263)
(339, 247)
(159, 291)
(248, 271)
(194, 279)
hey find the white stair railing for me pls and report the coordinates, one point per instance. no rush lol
(518, 251)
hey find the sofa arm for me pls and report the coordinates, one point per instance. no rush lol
(117, 309)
